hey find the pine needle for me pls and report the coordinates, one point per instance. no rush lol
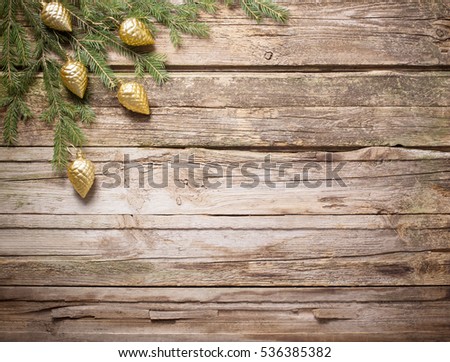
(88, 53)
(95, 28)
(209, 6)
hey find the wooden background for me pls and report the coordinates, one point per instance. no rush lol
(368, 82)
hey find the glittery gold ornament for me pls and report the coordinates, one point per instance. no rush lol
(134, 32)
(74, 75)
(81, 174)
(132, 96)
(56, 16)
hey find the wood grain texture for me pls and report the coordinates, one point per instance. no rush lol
(224, 244)
(321, 34)
(266, 110)
(266, 127)
(299, 251)
(217, 222)
(416, 187)
(365, 262)
(396, 269)
(225, 314)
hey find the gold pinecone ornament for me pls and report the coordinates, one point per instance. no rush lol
(74, 75)
(133, 96)
(135, 33)
(81, 174)
(56, 16)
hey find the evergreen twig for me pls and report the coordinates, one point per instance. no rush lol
(67, 132)
(153, 63)
(95, 29)
(15, 82)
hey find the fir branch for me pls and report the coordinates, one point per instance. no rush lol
(209, 6)
(178, 18)
(59, 110)
(200, 30)
(11, 120)
(4, 99)
(250, 9)
(83, 110)
(31, 10)
(152, 62)
(90, 52)
(272, 10)
(16, 54)
(189, 11)
(63, 113)
(229, 3)
(95, 26)
(8, 15)
(175, 37)
(258, 9)
(159, 10)
(85, 113)
(16, 111)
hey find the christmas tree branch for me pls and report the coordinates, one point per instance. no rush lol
(258, 9)
(151, 62)
(250, 10)
(178, 18)
(31, 10)
(95, 32)
(64, 113)
(16, 54)
(60, 111)
(96, 60)
(209, 6)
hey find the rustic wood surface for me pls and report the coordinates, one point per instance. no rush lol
(267, 110)
(367, 84)
(330, 34)
(228, 314)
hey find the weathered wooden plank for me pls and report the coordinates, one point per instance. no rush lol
(125, 336)
(156, 250)
(254, 89)
(225, 313)
(224, 295)
(389, 187)
(145, 311)
(13, 171)
(123, 237)
(107, 333)
(221, 245)
(270, 126)
(230, 222)
(391, 269)
(159, 155)
(314, 110)
(321, 33)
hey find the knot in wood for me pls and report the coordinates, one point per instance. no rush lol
(268, 55)
(441, 33)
